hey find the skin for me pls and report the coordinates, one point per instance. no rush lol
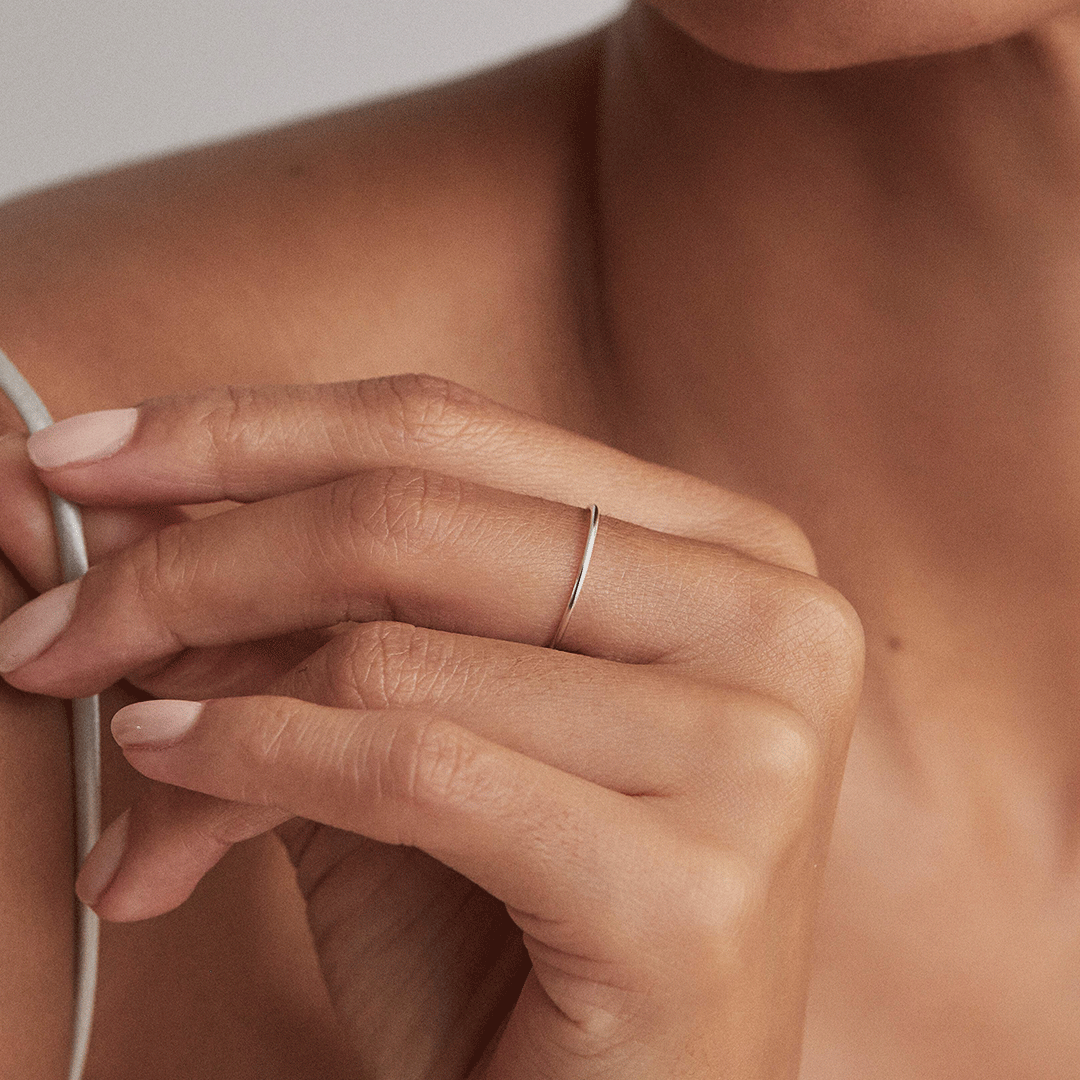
(661, 903)
(864, 280)
(822, 35)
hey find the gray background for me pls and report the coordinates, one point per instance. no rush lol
(88, 84)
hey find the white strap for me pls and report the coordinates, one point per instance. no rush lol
(85, 735)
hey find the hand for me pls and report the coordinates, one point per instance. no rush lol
(518, 862)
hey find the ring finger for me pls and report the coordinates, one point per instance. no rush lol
(417, 547)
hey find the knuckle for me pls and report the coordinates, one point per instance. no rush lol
(789, 764)
(786, 777)
(778, 539)
(404, 511)
(164, 564)
(226, 825)
(230, 419)
(210, 836)
(731, 904)
(383, 664)
(423, 412)
(429, 765)
(807, 641)
(766, 772)
(792, 637)
(274, 735)
(825, 630)
(380, 664)
(718, 898)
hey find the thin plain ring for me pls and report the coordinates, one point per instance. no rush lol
(575, 592)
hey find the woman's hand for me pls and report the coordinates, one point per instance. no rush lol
(518, 862)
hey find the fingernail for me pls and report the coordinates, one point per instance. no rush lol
(35, 626)
(151, 722)
(101, 864)
(81, 439)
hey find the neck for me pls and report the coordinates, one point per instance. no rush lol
(862, 300)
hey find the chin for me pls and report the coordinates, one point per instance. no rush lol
(822, 35)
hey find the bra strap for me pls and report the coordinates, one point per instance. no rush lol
(85, 735)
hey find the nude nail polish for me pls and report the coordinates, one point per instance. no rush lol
(150, 723)
(35, 626)
(80, 440)
(102, 863)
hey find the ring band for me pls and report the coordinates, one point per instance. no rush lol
(575, 592)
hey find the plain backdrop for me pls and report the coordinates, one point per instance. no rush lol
(85, 85)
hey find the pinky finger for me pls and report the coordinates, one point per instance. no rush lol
(149, 860)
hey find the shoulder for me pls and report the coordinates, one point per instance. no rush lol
(431, 232)
(439, 232)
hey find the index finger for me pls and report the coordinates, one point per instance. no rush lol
(253, 443)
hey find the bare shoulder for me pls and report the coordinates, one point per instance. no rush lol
(441, 231)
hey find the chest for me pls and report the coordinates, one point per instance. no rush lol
(941, 950)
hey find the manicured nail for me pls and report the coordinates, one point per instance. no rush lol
(81, 439)
(35, 626)
(154, 722)
(101, 864)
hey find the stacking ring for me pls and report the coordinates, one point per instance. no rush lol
(575, 592)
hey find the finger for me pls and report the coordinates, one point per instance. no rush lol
(737, 767)
(728, 765)
(28, 540)
(639, 729)
(26, 529)
(249, 444)
(27, 535)
(635, 740)
(149, 860)
(235, 670)
(421, 548)
(548, 844)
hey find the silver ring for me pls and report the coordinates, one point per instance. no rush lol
(575, 592)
